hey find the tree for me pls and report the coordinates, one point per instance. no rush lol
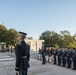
(54, 39)
(65, 32)
(65, 38)
(3, 32)
(74, 36)
(12, 37)
(30, 37)
(46, 36)
(50, 38)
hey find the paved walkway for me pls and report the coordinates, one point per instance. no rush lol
(7, 67)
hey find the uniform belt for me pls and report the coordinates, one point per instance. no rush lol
(24, 57)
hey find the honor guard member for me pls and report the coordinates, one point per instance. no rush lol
(22, 55)
(43, 53)
(64, 55)
(55, 54)
(68, 59)
(59, 57)
(74, 60)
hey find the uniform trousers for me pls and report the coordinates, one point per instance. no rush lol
(22, 72)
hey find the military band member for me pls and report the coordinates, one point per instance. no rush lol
(22, 55)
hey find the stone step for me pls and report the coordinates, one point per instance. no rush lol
(1, 57)
(6, 59)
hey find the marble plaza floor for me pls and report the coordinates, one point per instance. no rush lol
(7, 62)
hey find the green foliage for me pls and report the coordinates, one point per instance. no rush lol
(8, 36)
(48, 36)
(3, 32)
(65, 32)
(64, 39)
(30, 37)
(12, 37)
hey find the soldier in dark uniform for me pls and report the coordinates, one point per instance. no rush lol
(64, 55)
(22, 56)
(55, 54)
(68, 59)
(74, 60)
(43, 53)
(59, 57)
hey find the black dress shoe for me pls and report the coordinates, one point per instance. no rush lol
(43, 63)
(68, 67)
(58, 64)
(73, 68)
(63, 66)
(54, 63)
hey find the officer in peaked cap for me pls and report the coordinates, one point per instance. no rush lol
(22, 55)
(22, 33)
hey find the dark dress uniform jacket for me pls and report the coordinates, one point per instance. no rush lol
(22, 56)
(44, 50)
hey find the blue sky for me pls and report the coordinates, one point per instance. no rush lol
(37, 16)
